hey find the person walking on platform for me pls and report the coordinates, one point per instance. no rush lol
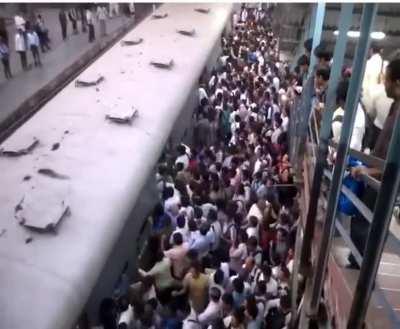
(34, 44)
(5, 58)
(43, 34)
(73, 17)
(63, 22)
(20, 48)
(90, 23)
(102, 17)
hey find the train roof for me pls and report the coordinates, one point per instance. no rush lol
(46, 282)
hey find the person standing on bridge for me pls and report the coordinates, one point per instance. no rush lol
(63, 22)
(5, 58)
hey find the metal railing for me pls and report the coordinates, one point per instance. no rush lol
(305, 129)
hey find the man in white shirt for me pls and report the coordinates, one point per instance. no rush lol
(181, 227)
(183, 156)
(20, 48)
(90, 23)
(337, 120)
(214, 308)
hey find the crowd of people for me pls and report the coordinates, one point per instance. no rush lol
(223, 236)
(33, 35)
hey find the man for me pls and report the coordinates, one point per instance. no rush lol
(202, 243)
(323, 56)
(5, 58)
(213, 310)
(177, 255)
(195, 284)
(181, 229)
(337, 119)
(227, 308)
(102, 17)
(183, 156)
(303, 63)
(277, 312)
(20, 48)
(374, 98)
(34, 44)
(359, 225)
(90, 24)
(73, 17)
(63, 22)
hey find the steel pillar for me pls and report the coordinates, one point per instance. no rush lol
(345, 20)
(353, 95)
(377, 234)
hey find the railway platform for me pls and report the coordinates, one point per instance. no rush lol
(28, 90)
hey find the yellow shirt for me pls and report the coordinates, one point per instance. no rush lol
(198, 291)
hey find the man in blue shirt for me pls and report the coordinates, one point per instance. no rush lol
(204, 241)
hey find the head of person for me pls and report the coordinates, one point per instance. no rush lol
(261, 288)
(322, 54)
(123, 303)
(215, 294)
(303, 63)
(227, 303)
(322, 77)
(308, 46)
(198, 213)
(376, 48)
(341, 92)
(204, 228)
(285, 303)
(108, 313)
(177, 238)
(181, 221)
(267, 271)
(392, 79)
(238, 285)
(252, 244)
(168, 192)
(238, 317)
(179, 166)
(192, 225)
(261, 204)
(195, 268)
(181, 150)
(251, 308)
(212, 215)
(253, 221)
(219, 277)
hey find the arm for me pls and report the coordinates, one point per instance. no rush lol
(185, 286)
(359, 171)
(271, 304)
